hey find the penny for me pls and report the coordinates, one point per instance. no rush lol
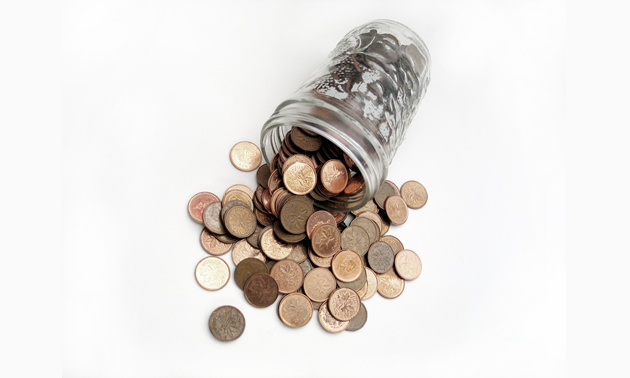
(305, 142)
(285, 236)
(295, 213)
(326, 240)
(212, 218)
(299, 252)
(363, 290)
(212, 273)
(357, 284)
(359, 320)
(356, 239)
(408, 265)
(344, 304)
(384, 223)
(369, 206)
(245, 156)
(317, 219)
(328, 322)
(213, 246)
(396, 209)
(374, 218)
(306, 266)
(393, 242)
(272, 247)
(299, 178)
(226, 238)
(262, 175)
(347, 266)
(226, 323)
(198, 203)
(270, 264)
(339, 216)
(295, 310)
(414, 194)
(263, 218)
(288, 274)
(318, 284)
(299, 158)
(243, 188)
(380, 257)
(253, 238)
(247, 268)
(242, 250)
(372, 283)
(355, 184)
(275, 180)
(316, 305)
(322, 262)
(238, 195)
(369, 226)
(240, 221)
(261, 290)
(389, 284)
(385, 190)
(334, 176)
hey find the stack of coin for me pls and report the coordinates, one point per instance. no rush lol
(283, 245)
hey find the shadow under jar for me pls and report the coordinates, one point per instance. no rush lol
(362, 100)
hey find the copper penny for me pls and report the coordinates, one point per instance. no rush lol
(384, 223)
(299, 158)
(238, 195)
(243, 188)
(372, 283)
(226, 323)
(357, 284)
(363, 290)
(240, 221)
(198, 203)
(356, 239)
(393, 242)
(355, 184)
(212, 245)
(328, 322)
(212, 218)
(299, 252)
(380, 257)
(326, 240)
(245, 156)
(304, 141)
(261, 290)
(359, 320)
(212, 273)
(316, 305)
(369, 226)
(253, 238)
(374, 218)
(288, 274)
(385, 190)
(226, 238)
(265, 219)
(347, 266)
(242, 250)
(317, 219)
(334, 176)
(389, 284)
(286, 236)
(248, 268)
(318, 284)
(295, 310)
(299, 178)
(295, 214)
(344, 304)
(369, 206)
(408, 265)
(306, 266)
(272, 247)
(322, 262)
(262, 175)
(396, 209)
(275, 180)
(414, 194)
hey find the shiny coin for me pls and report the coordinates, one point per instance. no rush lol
(288, 274)
(380, 257)
(295, 310)
(359, 320)
(261, 290)
(212, 273)
(393, 242)
(240, 221)
(238, 195)
(318, 284)
(226, 323)
(372, 283)
(198, 203)
(317, 219)
(334, 176)
(347, 266)
(408, 265)
(389, 284)
(356, 239)
(344, 304)
(247, 268)
(396, 209)
(245, 156)
(212, 245)
(299, 178)
(414, 194)
(326, 240)
(328, 322)
(272, 247)
(212, 218)
(369, 226)
(242, 250)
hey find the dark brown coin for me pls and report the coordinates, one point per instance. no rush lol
(326, 240)
(261, 290)
(288, 275)
(262, 175)
(240, 221)
(198, 203)
(253, 238)
(414, 194)
(295, 310)
(339, 216)
(265, 219)
(285, 236)
(380, 257)
(304, 141)
(247, 268)
(317, 219)
(227, 238)
(384, 223)
(355, 238)
(226, 323)
(396, 209)
(359, 319)
(275, 180)
(295, 214)
(369, 226)
(385, 190)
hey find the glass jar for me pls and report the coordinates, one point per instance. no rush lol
(362, 99)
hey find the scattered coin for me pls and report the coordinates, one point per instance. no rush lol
(212, 273)
(369, 226)
(245, 156)
(272, 247)
(408, 265)
(226, 323)
(242, 250)
(198, 203)
(372, 282)
(247, 268)
(261, 290)
(393, 242)
(357, 284)
(380, 257)
(306, 266)
(295, 310)
(289, 276)
(356, 239)
(318, 284)
(396, 209)
(262, 175)
(212, 218)
(344, 304)
(347, 266)
(326, 240)
(359, 320)
(389, 284)
(240, 221)
(212, 245)
(328, 322)
(243, 188)
(386, 189)
(317, 219)
(374, 218)
(299, 252)
(414, 194)
(322, 262)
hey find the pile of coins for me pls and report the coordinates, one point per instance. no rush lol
(282, 245)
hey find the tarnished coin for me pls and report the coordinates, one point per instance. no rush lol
(299, 178)
(212, 245)
(385, 190)
(295, 310)
(238, 195)
(326, 240)
(295, 213)
(242, 250)
(369, 226)
(408, 265)
(347, 266)
(359, 320)
(393, 242)
(374, 218)
(245, 156)
(243, 188)
(274, 182)
(317, 219)
(226, 238)
(334, 176)
(198, 203)
(322, 262)
(212, 218)
(286, 236)
(253, 238)
(369, 206)
(356, 239)
(384, 223)
(389, 284)
(328, 322)
(380, 257)
(240, 221)
(247, 268)
(261, 290)
(304, 141)
(265, 219)
(414, 194)
(272, 247)
(344, 304)
(372, 283)
(318, 284)
(262, 175)
(226, 323)
(212, 273)
(299, 252)
(396, 209)
(288, 274)
(270, 264)
(357, 284)
(316, 305)
(306, 266)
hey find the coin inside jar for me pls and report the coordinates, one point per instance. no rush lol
(295, 310)
(247, 268)
(261, 290)
(347, 266)
(226, 323)
(212, 273)
(408, 265)
(288, 274)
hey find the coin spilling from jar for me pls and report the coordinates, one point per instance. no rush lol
(283, 245)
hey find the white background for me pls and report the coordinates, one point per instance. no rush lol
(155, 95)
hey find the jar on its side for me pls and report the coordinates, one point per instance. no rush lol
(362, 99)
